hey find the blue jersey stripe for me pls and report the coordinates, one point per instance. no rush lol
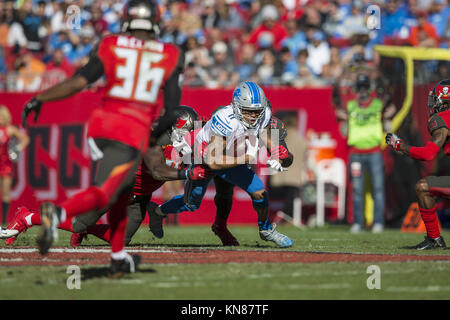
(223, 123)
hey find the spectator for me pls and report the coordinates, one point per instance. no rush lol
(58, 70)
(334, 69)
(100, 24)
(194, 76)
(229, 17)
(270, 33)
(439, 17)
(246, 67)
(365, 134)
(31, 23)
(10, 138)
(392, 20)
(424, 34)
(64, 39)
(286, 67)
(57, 16)
(318, 53)
(296, 39)
(30, 71)
(266, 70)
(6, 19)
(221, 72)
(80, 53)
(354, 22)
(196, 53)
(210, 17)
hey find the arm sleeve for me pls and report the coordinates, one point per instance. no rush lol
(93, 70)
(428, 152)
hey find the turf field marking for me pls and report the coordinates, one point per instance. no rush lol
(80, 250)
(418, 289)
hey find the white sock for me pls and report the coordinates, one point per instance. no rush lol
(119, 255)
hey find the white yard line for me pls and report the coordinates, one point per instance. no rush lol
(81, 250)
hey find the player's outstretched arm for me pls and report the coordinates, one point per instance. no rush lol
(156, 163)
(60, 91)
(427, 152)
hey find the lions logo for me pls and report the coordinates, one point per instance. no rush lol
(237, 93)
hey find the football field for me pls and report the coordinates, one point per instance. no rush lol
(189, 263)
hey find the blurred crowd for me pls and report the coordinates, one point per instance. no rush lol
(281, 42)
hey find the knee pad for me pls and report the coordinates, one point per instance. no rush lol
(261, 203)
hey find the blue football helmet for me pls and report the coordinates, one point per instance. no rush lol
(249, 97)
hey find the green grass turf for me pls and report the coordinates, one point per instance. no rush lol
(405, 280)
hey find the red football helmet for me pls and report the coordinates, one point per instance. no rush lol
(439, 97)
(141, 15)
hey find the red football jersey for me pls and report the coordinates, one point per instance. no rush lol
(145, 184)
(440, 120)
(135, 72)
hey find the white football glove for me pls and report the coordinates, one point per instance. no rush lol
(252, 150)
(182, 147)
(275, 165)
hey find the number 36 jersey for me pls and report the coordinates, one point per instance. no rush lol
(135, 73)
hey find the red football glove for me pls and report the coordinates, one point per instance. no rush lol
(168, 151)
(394, 141)
(198, 173)
(279, 152)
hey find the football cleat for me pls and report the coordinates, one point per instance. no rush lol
(50, 217)
(278, 238)
(356, 228)
(128, 265)
(6, 233)
(19, 224)
(224, 235)
(156, 217)
(77, 238)
(430, 243)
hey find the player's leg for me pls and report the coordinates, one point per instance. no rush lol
(376, 170)
(194, 191)
(247, 180)
(115, 173)
(121, 261)
(426, 190)
(223, 201)
(25, 219)
(5, 183)
(357, 174)
(136, 214)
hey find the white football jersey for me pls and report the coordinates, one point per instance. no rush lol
(225, 124)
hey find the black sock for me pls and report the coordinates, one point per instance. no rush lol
(5, 210)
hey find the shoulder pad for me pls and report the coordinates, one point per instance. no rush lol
(221, 125)
(436, 122)
(276, 123)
